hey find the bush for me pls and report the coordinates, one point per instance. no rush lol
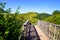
(10, 27)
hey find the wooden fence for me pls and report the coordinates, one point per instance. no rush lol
(25, 30)
(51, 30)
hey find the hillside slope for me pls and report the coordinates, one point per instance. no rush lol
(28, 16)
(55, 18)
(42, 16)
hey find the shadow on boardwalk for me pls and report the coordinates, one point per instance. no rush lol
(32, 33)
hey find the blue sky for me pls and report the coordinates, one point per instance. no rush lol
(39, 6)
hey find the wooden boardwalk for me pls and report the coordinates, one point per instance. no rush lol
(45, 30)
(32, 33)
(41, 31)
(41, 34)
(35, 33)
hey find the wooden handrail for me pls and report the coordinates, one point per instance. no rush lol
(46, 26)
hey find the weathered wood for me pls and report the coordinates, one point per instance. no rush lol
(52, 30)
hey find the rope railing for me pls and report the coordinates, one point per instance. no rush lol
(50, 29)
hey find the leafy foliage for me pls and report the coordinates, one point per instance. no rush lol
(34, 16)
(56, 12)
(29, 16)
(2, 6)
(10, 27)
(55, 18)
(8, 10)
(17, 11)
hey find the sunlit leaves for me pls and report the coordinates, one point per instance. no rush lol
(10, 26)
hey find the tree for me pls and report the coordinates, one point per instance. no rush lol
(2, 6)
(17, 11)
(56, 12)
(8, 10)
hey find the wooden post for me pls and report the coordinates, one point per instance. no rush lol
(49, 32)
(54, 32)
(59, 34)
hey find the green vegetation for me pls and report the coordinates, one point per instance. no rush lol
(34, 16)
(55, 18)
(56, 12)
(11, 24)
(10, 27)
(2, 6)
(29, 16)
(42, 16)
